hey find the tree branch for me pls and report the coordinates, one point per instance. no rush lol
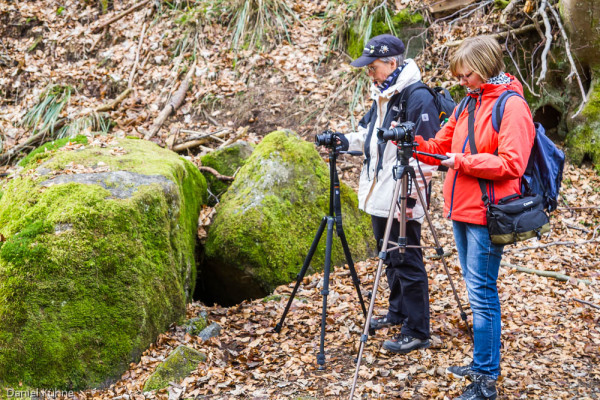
(118, 17)
(172, 105)
(548, 40)
(548, 274)
(111, 106)
(216, 173)
(137, 57)
(586, 302)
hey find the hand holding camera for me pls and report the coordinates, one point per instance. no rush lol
(333, 140)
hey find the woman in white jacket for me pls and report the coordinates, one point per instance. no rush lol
(391, 75)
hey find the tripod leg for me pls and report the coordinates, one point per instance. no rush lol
(440, 252)
(386, 237)
(325, 292)
(300, 276)
(353, 273)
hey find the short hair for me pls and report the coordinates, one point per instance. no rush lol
(481, 54)
(399, 59)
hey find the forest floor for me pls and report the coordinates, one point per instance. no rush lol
(551, 339)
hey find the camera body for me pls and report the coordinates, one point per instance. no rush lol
(327, 138)
(403, 132)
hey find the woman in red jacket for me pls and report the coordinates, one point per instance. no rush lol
(500, 159)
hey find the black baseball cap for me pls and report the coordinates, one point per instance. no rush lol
(378, 47)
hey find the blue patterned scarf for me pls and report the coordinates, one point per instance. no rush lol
(500, 79)
(391, 79)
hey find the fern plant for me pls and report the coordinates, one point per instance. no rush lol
(259, 23)
(45, 114)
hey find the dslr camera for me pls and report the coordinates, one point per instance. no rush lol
(403, 132)
(327, 138)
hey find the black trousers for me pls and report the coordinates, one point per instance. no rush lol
(407, 278)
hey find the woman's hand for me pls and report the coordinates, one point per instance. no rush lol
(449, 162)
(409, 214)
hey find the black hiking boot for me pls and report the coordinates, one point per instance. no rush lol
(405, 344)
(482, 388)
(460, 371)
(382, 322)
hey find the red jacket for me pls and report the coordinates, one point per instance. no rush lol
(462, 193)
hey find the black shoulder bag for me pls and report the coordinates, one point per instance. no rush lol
(516, 217)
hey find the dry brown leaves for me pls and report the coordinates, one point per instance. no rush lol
(550, 342)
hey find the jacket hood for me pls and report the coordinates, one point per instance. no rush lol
(410, 74)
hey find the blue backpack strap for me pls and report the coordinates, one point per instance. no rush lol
(461, 107)
(498, 110)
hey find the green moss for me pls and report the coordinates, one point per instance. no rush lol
(48, 149)
(457, 92)
(180, 363)
(226, 161)
(583, 142)
(268, 235)
(400, 21)
(195, 325)
(87, 282)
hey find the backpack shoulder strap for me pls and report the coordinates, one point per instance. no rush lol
(405, 94)
(498, 110)
(461, 107)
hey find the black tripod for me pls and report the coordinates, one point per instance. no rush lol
(334, 216)
(404, 176)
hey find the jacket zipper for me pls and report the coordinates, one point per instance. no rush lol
(454, 182)
(456, 174)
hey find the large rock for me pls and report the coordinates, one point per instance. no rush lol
(266, 221)
(180, 363)
(226, 161)
(97, 259)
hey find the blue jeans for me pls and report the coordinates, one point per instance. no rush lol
(480, 262)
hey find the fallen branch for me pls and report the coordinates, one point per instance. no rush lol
(508, 10)
(579, 208)
(118, 17)
(216, 173)
(137, 57)
(587, 302)
(499, 35)
(238, 135)
(173, 105)
(113, 104)
(200, 140)
(558, 243)
(548, 40)
(548, 274)
(37, 139)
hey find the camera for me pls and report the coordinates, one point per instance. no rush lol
(402, 132)
(327, 138)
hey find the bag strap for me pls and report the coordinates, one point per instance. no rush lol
(498, 110)
(461, 107)
(471, 123)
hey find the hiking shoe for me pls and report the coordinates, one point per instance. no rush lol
(482, 388)
(460, 371)
(405, 344)
(381, 322)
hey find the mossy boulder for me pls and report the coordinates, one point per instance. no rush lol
(583, 142)
(179, 364)
(98, 260)
(265, 224)
(226, 161)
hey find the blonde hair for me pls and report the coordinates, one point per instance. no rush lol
(481, 54)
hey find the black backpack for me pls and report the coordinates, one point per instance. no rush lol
(444, 103)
